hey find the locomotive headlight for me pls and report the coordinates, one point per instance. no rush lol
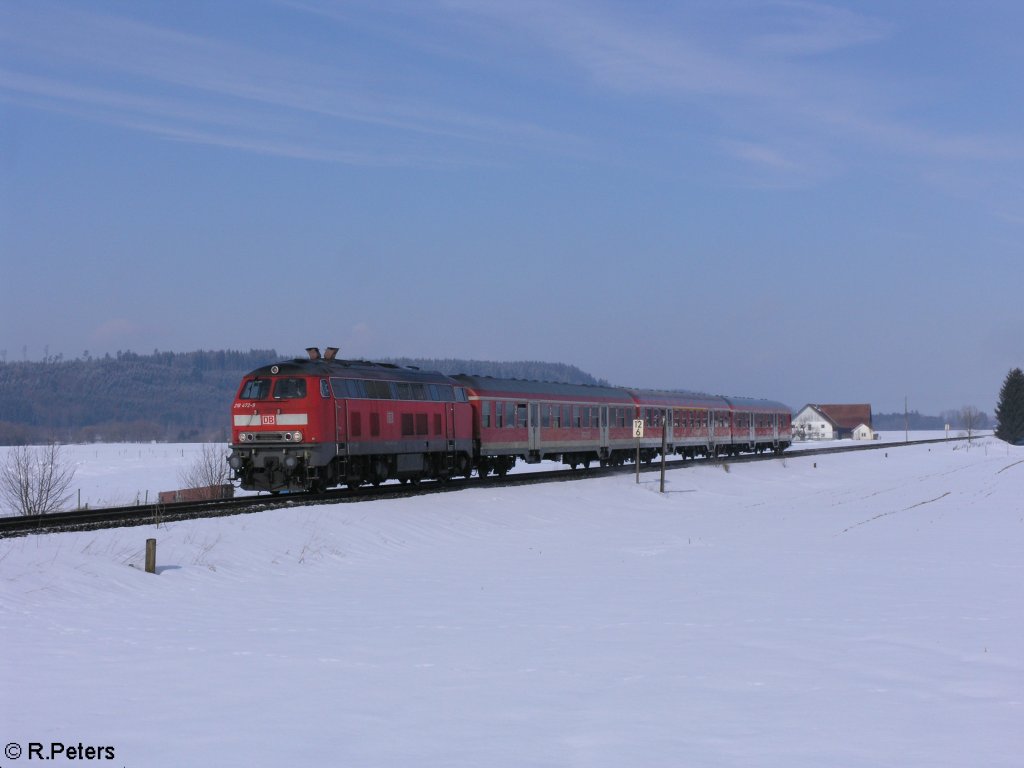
(235, 462)
(298, 437)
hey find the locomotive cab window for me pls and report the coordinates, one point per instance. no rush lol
(289, 389)
(256, 389)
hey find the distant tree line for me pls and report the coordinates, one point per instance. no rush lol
(962, 419)
(174, 396)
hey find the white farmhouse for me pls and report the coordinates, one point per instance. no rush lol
(832, 422)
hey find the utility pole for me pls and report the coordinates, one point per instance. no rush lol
(638, 432)
(664, 432)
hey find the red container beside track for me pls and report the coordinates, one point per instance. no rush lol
(321, 422)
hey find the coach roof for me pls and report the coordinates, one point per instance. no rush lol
(486, 386)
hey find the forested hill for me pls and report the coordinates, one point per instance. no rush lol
(172, 396)
(163, 396)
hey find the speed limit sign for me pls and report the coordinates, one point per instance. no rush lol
(638, 427)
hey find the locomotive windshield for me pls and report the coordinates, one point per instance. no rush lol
(256, 389)
(289, 389)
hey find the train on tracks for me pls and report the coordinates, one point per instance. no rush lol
(319, 422)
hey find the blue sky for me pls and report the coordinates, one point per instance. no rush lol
(812, 202)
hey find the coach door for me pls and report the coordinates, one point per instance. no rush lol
(534, 427)
(604, 426)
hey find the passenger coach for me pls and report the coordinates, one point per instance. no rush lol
(574, 424)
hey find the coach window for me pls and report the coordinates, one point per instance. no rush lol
(521, 415)
(510, 415)
(545, 415)
(256, 389)
(325, 390)
(485, 413)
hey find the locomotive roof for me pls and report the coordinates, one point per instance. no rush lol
(351, 369)
(487, 385)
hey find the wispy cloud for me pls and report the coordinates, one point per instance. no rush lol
(213, 91)
(810, 28)
(763, 77)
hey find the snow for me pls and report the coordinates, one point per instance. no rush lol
(865, 611)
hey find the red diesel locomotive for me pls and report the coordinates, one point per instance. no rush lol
(319, 422)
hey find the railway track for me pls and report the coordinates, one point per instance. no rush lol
(154, 514)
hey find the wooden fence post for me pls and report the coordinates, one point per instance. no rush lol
(150, 555)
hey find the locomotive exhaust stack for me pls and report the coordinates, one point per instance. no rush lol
(314, 353)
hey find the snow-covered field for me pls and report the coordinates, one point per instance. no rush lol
(867, 611)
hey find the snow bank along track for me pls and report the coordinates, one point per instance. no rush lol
(150, 514)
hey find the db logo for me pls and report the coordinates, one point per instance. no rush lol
(269, 419)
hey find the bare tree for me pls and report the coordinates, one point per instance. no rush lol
(208, 470)
(970, 420)
(35, 480)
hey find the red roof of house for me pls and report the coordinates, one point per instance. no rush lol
(848, 416)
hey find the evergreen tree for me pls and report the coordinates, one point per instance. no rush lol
(1010, 410)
